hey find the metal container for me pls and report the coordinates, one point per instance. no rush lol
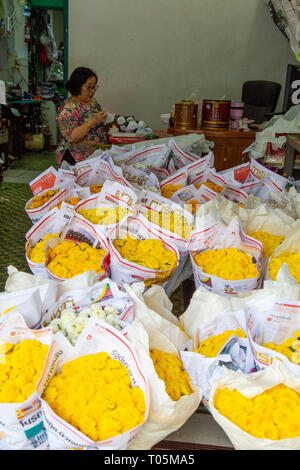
(216, 114)
(185, 116)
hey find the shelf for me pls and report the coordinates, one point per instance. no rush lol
(48, 4)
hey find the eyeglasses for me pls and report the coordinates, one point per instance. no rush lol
(92, 88)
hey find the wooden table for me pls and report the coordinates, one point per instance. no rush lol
(229, 145)
(292, 146)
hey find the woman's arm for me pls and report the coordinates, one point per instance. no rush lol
(80, 132)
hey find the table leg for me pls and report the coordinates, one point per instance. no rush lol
(289, 160)
(188, 289)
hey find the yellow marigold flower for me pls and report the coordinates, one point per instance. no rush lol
(170, 221)
(170, 369)
(39, 201)
(96, 188)
(291, 259)
(150, 253)
(270, 242)
(104, 215)
(20, 369)
(215, 187)
(37, 254)
(169, 189)
(93, 393)
(69, 259)
(227, 263)
(211, 346)
(73, 201)
(280, 419)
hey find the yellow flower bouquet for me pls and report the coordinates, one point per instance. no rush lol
(138, 254)
(97, 397)
(258, 411)
(224, 259)
(77, 250)
(48, 227)
(106, 209)
(25, 355)
(40, 204)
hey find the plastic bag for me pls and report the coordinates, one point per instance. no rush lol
(165, 415)
(96, 337)
(21, 424)
(219, 236)
(251, 385)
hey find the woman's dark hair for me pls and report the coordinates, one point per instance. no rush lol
(78, 77)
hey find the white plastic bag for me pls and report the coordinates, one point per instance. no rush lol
(165, 415)
(21, 424)
(251, 385)
(219, 236)
(96, 337)
(124, 271)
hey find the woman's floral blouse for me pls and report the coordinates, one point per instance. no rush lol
(70, 116)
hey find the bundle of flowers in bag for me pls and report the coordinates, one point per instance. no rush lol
(48, 227)
(173, 183)
(173, 397)
(97, 396)
(95, 171)
(78, 249)
(287, 252)
(39, 205)
(137, 253)
(215, 344)
(237, 400)
(165, 214)
(104, 301)
(153, 159)
(111, 206)
(224, 259)
(23, 356)
(274, 332)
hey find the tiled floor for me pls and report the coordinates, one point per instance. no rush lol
(201, 428)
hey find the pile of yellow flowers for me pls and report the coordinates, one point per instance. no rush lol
(39, 201)
(293, 262)
(228, 263)
(104, 215)
(68, 259)
(73, 201)
(211, 346)
(274, 414)
(150, 253)
(215, 187)
(37, 254)
(170, 221)
(170, 369)
(21, 366)
(289, 348)
(169, 189)
(270, 242)
(93, 393)
(96, 188)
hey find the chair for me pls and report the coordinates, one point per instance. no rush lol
(260, 98)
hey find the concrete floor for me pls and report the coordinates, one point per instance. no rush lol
(200, 428)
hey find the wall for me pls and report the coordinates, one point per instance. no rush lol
(150, 54)
(13, 49)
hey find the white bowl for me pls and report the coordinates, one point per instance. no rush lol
(165, 118)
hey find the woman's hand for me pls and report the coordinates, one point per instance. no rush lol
(100, 117)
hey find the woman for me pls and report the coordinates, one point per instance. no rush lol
(80, 119)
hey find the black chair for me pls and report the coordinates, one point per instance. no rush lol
(260, 98)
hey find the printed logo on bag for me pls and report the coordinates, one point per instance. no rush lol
(207, 281)
(30, 418)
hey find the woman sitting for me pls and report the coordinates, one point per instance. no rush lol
(80, 119)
